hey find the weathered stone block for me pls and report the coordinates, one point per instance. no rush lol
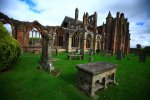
(94, 76)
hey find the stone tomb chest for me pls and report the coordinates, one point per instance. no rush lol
(94, 76)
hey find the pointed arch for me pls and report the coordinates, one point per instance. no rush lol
(59, 34)
(34, 33)
(88, 40)
(76, 39)
(99, 40)
(36, 25)
(6, 20)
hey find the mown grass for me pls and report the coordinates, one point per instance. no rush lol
(25, 82)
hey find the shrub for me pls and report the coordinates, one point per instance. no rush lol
(98, 51)
(146, 50)
(10, 49)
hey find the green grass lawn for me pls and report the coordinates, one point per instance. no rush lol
(25, 82)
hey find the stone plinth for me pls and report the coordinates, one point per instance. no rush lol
(70, 56)
(94, 76)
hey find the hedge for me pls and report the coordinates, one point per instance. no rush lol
(10, 49)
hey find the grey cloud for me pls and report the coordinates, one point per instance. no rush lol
(134, 10)
(142, 37)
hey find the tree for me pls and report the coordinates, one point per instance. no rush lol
(138, 46)
(147, 50)
(10, 49)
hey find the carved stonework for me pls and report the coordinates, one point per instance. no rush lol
(114, 34)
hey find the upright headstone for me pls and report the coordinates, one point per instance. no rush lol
(57, 53)
(82, 53)
(90, 55)
(77, 51)
(98, 51)
(119, 55)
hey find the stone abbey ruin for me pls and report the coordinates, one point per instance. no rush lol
(72, 34)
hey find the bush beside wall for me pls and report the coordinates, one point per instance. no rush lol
(10, 49)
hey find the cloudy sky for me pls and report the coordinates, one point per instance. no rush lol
(52, 12)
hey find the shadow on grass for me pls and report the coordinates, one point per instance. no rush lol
(11, 66)
(69, 78)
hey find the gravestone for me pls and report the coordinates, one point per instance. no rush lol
(98, 51)
(142, 57)
(119, 55)
(90, 55)
(57, 53)
(82, 53)
(77, 51)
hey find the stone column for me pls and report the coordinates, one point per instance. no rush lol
(32, 37)
(39, 38)
(128, 46)
(20, 38)
(103, 42)
(36, 37)
(79, 40)
(49, 52)
(42, 44)
(13, 31)
(69, 43)
(49, 48)
(120, 39)
(114, 41)
(94, 43)
(90, 55)
(82, 44)
(42, 54)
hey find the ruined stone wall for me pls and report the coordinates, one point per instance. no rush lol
(115, 34)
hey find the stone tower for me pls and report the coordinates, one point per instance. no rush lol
(109, 17)
(85, 20)
(108, 31)
(95, 22)
(76, 17)
(76, 14)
